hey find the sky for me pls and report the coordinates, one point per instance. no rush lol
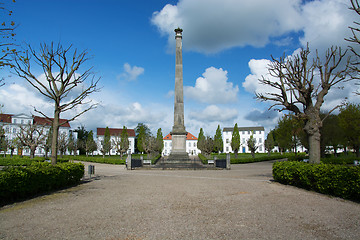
(227, 45)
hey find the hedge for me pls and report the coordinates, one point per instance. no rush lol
(337, 180)
(22, 182)
(23, 161)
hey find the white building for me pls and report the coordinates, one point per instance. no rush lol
(11, 124)
(245, 133)
(191, 145)
(115, 133)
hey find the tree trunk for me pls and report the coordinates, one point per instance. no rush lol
(253, 154)
(236, 154)
(356, 149)
(314, 148)
(54, 142)
(32, 152)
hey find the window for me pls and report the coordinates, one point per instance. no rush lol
(227, 140)
(260, 148)
(243, 132)
(194, 144)
(227, 149)
(165, 144)
(14, 130)
(189, 144)
(248, 132)
(260, 140)
(243, 140)
(14, 120)
(22, 121)
(7, 130)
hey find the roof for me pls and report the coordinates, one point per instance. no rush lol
(189, 136)
(5, 118)
(44, 121)
(115, 132)
(244, 129)
(37, 120)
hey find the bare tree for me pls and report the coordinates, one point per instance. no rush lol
(121, 142)
(63, 83)
(251, 143)
(301, 87)
(63, 143)
(355, 38)
(31, 136)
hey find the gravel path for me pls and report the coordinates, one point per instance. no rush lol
(242, 203)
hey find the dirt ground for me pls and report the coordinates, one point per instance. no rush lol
(241, 203)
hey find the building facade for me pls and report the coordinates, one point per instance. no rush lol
(115, 133)
(12, 124)
(191, 145)
(258, 134)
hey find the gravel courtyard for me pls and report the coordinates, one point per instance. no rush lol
(243, 203)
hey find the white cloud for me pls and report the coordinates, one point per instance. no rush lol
(213, 87)
(211, 25)
(326, 22)
(213, 113)
(131, 73)
(258, 69)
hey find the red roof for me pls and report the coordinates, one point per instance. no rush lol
(115, 132)
(37, 120)
(44, 121)
(189, 136)
(5, 118)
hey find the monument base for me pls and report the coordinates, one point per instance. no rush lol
(179, 160)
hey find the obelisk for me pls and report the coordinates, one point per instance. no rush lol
(178, 151)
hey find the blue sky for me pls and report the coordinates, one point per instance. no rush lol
(226, 48)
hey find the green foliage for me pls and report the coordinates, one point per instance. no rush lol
(22, 182)
(142, 133)
(338, 180)
(90, 144)
(82, 136)
(218, 141)
(235, 140)
(349, 121)
(124, 142)
(288, 132)
(159, 141)
(203, 159)
(23, 160)
(269, 142)
(201, 140)
(252, 145)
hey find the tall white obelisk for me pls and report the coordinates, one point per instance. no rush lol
(178, 133)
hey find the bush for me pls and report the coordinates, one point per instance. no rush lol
(23, 160)
(22, 182)
(203, 159)
(98, 159)
(337, 180)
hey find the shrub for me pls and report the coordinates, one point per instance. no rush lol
(22, 182)
(203, 159)
(337, 180)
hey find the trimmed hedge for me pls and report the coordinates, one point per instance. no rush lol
(23, 182)
(23, 161)
(337, 180)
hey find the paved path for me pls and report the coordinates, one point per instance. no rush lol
(242, 203)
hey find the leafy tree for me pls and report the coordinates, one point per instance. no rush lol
(31, 136)
(349, 121)
(269, 142)
(201, 140)
(106, 143)
(90, 144)
(65, 85)
(288, 132)
(159, 140)
(150, 145)
(121, 143)
(208, 145)
(82, 136)
(331, 134)
(296, 88)
(72, 146)
(251, 143)
(235, 140)
(218, 141)
(142, 132)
